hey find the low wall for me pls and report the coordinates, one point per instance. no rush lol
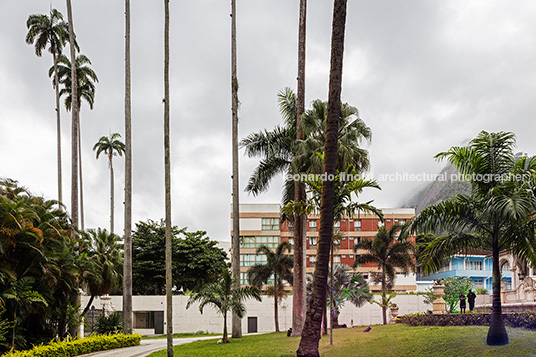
(191, 320)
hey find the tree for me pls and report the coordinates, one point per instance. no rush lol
(497, 214)
(197, 260)
(110, 145)
(454, 287)
(300, 251)
(389, 253)
(167, 174)
(278, 268)
(311, 331)
(50, 30)
(225, 297)
(127, 273)
(104, 256)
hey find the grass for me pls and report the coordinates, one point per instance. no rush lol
(389, 340)
(182, 335)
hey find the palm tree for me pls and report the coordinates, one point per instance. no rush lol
(50, 30)
(106, 263)
(86, 78)
(224, 296)
(127, 273)
(300, 253)
(110, 145)
(389, 253)
(313, 320)
(497, 215)
(278, 268)
(167, 169)
(236, 323)
(75, 120)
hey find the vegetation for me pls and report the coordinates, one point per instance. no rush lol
(278, 268)
(109, 324)
(381, 340)
(79, 347)
(389, 253)
(525, 319)
(454, 287)
(497, 215)
(225, 297)
(197, 260)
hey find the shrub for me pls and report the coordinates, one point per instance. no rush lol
(111, 324)
(525, 319)
(79, 347)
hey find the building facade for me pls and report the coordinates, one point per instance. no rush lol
(260, 224)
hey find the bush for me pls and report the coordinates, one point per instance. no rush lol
(525, 319)
(79, 347)
(111, 324)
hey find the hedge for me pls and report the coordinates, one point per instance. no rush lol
(525, 319)
(79, 347)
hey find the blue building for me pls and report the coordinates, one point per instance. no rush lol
(477, 266)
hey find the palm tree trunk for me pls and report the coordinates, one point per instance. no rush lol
(331, 298)
(225, 339)
(167, 164)
(311, 332)
(80, 174)
(111, 196)
(300, 220)
(74, 128)
(237, 323)
(127, 266)
(384, 308)
(58, 123)
(497, 332)
(276, 311)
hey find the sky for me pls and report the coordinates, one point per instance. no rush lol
(425, 75)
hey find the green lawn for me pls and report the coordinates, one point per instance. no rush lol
(181, 335)
(390, 340)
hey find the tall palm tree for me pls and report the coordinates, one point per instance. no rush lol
(497, 215)
(236, 321)
(167, 169)
(278, 268)
(225, 297)
(127, 274)
(111, 146)
(104, 257)
(300, 231)
(75, 120)
(50, 31)
(313, 320)
(388, 253)
(86, 79)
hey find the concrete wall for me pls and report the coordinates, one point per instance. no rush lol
(192, 320)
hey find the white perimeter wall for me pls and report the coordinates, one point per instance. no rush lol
(192, 320)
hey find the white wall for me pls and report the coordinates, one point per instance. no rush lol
(192, 320)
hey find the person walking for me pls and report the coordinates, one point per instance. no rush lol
(471, 300)
(462, 303)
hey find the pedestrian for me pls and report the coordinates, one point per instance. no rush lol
(462, 303)
(471, 299)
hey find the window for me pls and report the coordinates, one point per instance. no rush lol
(505, 267)
(343, 256)
(337, 224)
(472, 265)
(270, 224)
(312, 225)
(256, 242)
(507, 285)
(312, 241)
(479, 283)
(351, 256)
(357, 225)
(336, 259)
(477, 265)
(248, 260)
(291, 241)
(244, 278)
(144, 319)
(312, 260)
(402, 221)
(358, 240)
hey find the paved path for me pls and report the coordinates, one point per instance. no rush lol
(147, 347)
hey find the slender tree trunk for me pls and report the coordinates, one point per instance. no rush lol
(111, 195)
(74, 128)
(237, 322)
(80, 173)
(127, 266)
(225, 339)
(167, 164)
(331, 298)
(497, 332)
(88, 305)
(276, 311)
(311, 332)
(58, 123)
(384, 308)
(300, 220)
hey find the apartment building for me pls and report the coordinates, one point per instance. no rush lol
(260, 224)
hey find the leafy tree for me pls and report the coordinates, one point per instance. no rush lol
(497, 215)
(50, 31)
(454, 287)
(197, 260)
(224, 296)
(111, 146)
(278, 268)
(388, 253)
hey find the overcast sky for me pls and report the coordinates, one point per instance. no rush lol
(424, 74)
